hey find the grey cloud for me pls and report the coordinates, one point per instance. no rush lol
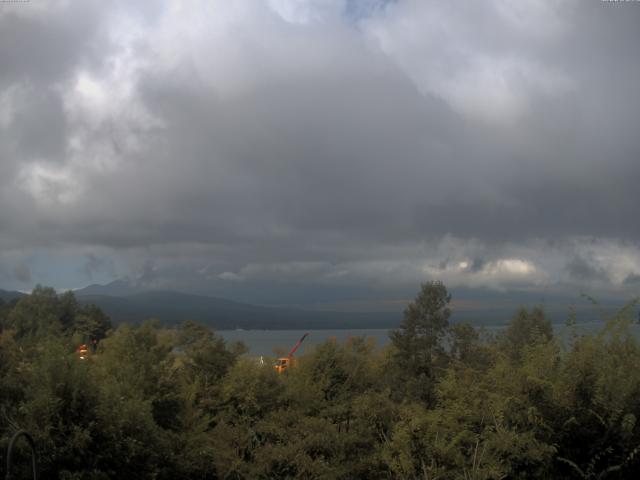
(230, 276)
(580, 270)
(45, 47)
(38, 129)
(379, 174)
(22, 273)
(327, 143)
(94, 264)
(477, 265)
(632, 279)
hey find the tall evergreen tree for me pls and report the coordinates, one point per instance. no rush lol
(418, 341)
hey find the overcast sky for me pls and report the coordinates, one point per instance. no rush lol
(320, 150)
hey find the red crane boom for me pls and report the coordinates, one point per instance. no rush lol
(283, 363)
(297, 345)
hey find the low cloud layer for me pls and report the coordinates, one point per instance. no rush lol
(222, 147)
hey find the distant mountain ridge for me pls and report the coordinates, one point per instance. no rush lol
(8, 295)
(125, 301)
(117, 288)
(173, 307)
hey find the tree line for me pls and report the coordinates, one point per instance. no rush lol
(441, 401)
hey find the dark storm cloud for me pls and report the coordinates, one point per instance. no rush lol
(343, 150)
(44, 47)
(22, 273)
(632, 279)
(94, 265)
(39, 53)
(339, 142)
(38, 129)
(477, 265)
(580, 270)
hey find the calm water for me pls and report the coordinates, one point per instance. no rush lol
(264, 342)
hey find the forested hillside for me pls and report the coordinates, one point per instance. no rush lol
(441, 402)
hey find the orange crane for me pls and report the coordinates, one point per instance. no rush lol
(283, 363)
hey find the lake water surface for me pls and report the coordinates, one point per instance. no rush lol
(264, 342)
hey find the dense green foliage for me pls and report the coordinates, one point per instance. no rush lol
(440, 402)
